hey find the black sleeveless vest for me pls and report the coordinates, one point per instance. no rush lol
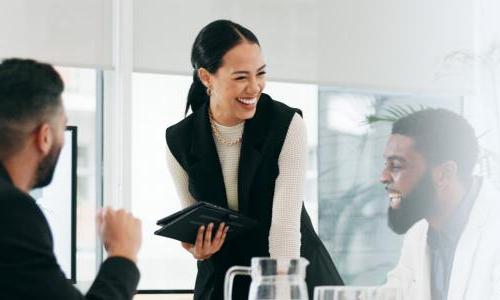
(193, 146)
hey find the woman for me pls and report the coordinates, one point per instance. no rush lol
(243, 150)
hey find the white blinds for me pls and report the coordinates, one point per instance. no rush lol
(165, 30)
(397, 45)
(63, 32)
(385, 44)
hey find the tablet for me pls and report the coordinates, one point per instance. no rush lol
(183, 225)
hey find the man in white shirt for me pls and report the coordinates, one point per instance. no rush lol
(451, 249)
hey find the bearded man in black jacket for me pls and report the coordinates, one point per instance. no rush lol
(32, 123)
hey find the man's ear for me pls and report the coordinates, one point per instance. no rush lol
(204, 76)
(445, 173)
(43, 138)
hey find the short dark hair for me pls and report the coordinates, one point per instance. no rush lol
(441, 135)
(211, 44)
(30, 93)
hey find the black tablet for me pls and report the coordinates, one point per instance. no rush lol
(183, 225)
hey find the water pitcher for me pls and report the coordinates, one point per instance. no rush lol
(281, 278)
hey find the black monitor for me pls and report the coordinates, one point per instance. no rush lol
(58, 203)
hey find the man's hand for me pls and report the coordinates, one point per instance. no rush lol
(120, 232)
(204, 246)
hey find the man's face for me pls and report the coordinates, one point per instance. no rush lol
(47, 165)
(408, 183)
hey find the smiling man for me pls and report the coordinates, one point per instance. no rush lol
(451, 248)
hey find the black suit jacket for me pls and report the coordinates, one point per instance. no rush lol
(28, 267)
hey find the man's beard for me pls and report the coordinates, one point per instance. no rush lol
(46, 168)
(418, 204)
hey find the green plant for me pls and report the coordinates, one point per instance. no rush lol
(392, 114)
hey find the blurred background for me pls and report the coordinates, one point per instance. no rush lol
(126, 65)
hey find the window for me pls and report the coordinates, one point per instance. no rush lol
(79, 99)
(158, 101)
(352, 203)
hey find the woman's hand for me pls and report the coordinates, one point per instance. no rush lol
(204, 246)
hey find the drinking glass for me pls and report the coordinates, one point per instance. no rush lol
(357, 293)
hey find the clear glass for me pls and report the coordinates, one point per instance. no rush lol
(281, 278)
(385, 293)
(357, 293)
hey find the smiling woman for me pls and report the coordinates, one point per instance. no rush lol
(242, 150)
(237, 85)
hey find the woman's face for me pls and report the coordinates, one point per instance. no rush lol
(237, 85)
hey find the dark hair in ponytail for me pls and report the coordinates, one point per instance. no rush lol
(209, 47)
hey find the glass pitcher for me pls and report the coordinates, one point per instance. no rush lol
(280, 278)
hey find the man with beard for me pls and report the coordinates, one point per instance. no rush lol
(32, 123)
(451, 249)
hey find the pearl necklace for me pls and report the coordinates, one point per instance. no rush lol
(218, 135)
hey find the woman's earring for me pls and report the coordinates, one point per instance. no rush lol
(209, 91)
